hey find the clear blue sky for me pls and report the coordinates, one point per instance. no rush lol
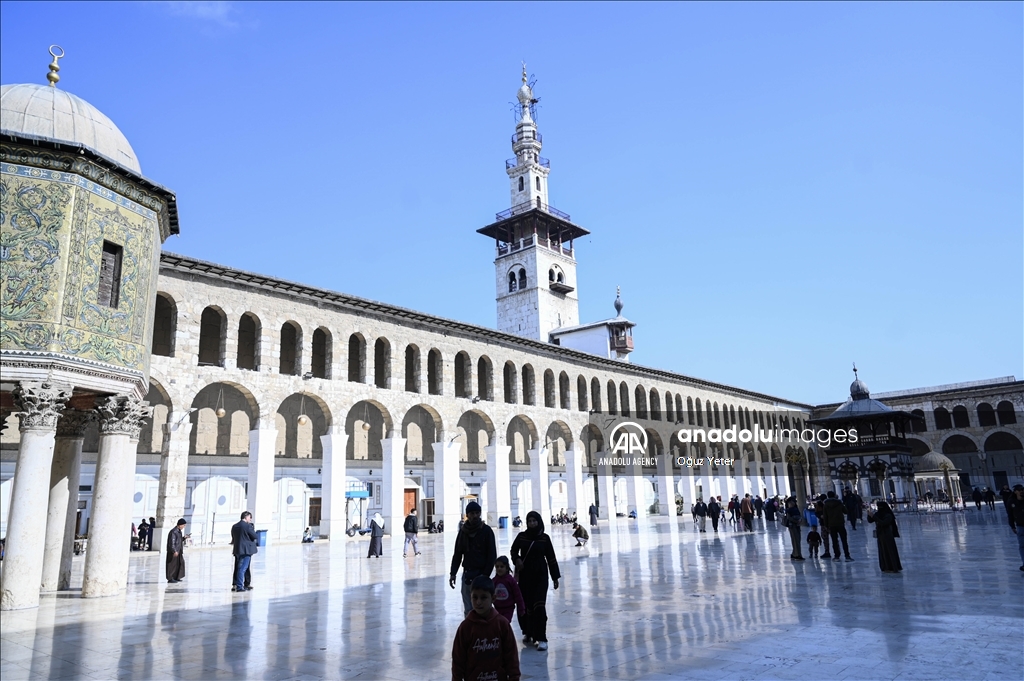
(780, 190)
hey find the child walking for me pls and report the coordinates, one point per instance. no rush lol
(813, 541)
(484, 647)
(507, 596)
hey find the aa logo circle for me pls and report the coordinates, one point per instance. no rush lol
(628, 438)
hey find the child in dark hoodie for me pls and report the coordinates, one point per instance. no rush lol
(507, 596)
(484, 647)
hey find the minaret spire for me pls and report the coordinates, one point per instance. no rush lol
(528, 171)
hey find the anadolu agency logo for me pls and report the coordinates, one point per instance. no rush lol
(628, 446)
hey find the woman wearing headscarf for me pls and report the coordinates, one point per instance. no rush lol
(886, 532)
(376, 536)
(534, 558)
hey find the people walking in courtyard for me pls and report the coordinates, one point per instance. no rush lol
(412, 528)
(376, 536)
(990, 498)
(886, 532)
(475, 551)
(507, 595)
(715, 513)
(819, 510)
(580, 535)
(854, 507)
(143, 544)
(758, 505)
(175, 568)
(534, 558)
(593, 515)
(747, 512)
(700, 512)
(770, 508)
(243, 546)
(484, 646)
(1015, 511)
(835, 521)
(793, 525)
(976, 498)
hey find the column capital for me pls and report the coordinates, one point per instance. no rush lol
(40, 404)
(123, 415)
(73, 422)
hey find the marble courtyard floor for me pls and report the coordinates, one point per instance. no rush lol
(647, 600)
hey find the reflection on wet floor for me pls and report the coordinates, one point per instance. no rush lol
(645, 599)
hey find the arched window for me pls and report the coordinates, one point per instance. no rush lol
(435, 372)
(918, 425)
(529, 387)
(655, 405)
(248, 342)
(382, 363)
(563, 391)
(986, 415)
(581, 394)
(211, 337)
(551, 275)
(1006, 413)
(412, 369)
(624, 399)
(321, 358)
(521, 187)
(640, 400)
(595, 394)
(522, 279)
(700, 414)
(463, 375)
(509, 379)
(689, 411)
(164, 321)
(356, 358)
(511, 282)
(290, 363)
(613, 400)
(484, 380)
(538, 183)
(942, 420)
(538, 202)
(961, 419)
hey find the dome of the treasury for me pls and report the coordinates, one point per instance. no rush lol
(933, 461)
(49, 113)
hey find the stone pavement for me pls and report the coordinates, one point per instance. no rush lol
(645, 600)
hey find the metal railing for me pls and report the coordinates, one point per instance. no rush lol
(526, 242)
(530, 205)
(530, 135)
(541, 161)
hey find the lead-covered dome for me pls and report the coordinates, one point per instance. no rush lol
(49, 113)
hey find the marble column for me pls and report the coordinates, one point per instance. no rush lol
(539, 483)
(170, 501)
(39, 406)
(635, 490)
(499, 486)
(333, 522)
(447, 485)
(606, 488)
(666, 486)
(574, 471)
(393, 483)
(106, 559)
(59, 543)
(259, 497)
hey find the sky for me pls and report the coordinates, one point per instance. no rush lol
(780, 189)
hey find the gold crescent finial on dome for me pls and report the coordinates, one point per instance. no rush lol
(54, 68)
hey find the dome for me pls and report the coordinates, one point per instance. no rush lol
(48, 113)
(933, 461)
(859, 390)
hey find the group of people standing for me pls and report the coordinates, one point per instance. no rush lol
(243, 548)
(740, 512)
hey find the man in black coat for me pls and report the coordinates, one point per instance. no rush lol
(243, 543)
(593, 515)
(715, 513)
(412, 527)
(475, 550)
(854, 507)
(1015, 513)
(835, 521)
(701, 510)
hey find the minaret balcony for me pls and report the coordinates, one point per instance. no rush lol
(514, 162)
(525, 135)
(540, 241)
(530, 205)
(622, 343)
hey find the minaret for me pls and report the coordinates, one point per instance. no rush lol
(535, 264)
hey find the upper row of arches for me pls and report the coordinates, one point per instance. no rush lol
(424, 372)
(1002, 415)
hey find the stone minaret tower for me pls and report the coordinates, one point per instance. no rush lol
(535, 267)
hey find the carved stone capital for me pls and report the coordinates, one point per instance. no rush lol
(39, 404)
(73, 422)
(123, 415)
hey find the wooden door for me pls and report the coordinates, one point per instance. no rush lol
(314, 511)
(410, 500)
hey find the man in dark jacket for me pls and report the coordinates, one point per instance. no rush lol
(819, 510)
(412, 526)
(854, 507)
(835, 521)
(715, 513)
(175, 567)
(475, 550)
(243, 546)
(1015, 511)
(701, 511)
